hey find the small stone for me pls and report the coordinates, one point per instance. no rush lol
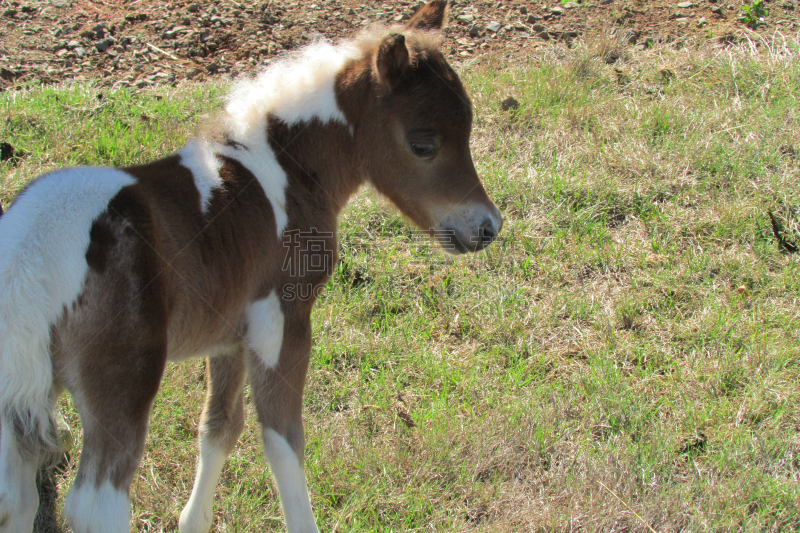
(539, 28)
(682, 22)
(103, 45)
(557, 11)
(544, 35)
(493, 27)
(533, 18)
(204, 36)
(523, 10)
(468, 19)
(510, 103)
(718, 11)
(27, 9)
(475, 30)
(10, 13)
(141, 84)
(193, 7)
(212, 68)
(571, 5)
(194, 71)
(702, 22)
(169, 34)
(685, 5)
(80, 51)
(72, 45)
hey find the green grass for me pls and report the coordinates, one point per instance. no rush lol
(625, 357)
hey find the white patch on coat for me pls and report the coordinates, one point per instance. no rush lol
(18, 497)
(198, 514)
(265, 329)
(259, 159)
(89, 509)
(44, 237)
(200, 158)
(287, 469)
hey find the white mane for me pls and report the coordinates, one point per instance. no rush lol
(296, 88)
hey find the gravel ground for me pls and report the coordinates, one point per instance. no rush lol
(142, 43)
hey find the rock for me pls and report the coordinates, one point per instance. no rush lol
(718, 11)
(509, 103)
(194, 71)
(475, 30)
(80, 51)
(10, 13)
(571, 5)
(539, 28)
(103, 45)
(544, 35)
(99, 31)
(685, 5)
(493, 27)
(533, 18)
(212, 67)
(193, 7)
(557, 11)
(136, 17)
(468, 19)
(72, 45)
(523, 10)
(204, 36)
(702, 22)
(141, 84)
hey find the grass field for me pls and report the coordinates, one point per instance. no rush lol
(625, 358)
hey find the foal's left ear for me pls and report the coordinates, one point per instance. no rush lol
(392, 60)
(431, 16)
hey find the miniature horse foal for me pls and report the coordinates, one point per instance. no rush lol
(107, 274)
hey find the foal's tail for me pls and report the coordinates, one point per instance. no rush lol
(26, 371)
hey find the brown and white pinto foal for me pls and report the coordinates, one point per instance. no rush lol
(107, 274)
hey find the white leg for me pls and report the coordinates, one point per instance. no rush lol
(293, 491)
(198, 514)
(18, 497)
(92, 509)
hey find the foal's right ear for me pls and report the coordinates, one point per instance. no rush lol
(391, 60)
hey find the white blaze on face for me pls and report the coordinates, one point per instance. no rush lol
(265, 329)
(287, 469)
(89, 509)
(198, 514)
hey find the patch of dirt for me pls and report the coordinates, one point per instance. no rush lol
(141, 43)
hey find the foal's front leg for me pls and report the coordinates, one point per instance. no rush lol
(278, 395)
(220, 426)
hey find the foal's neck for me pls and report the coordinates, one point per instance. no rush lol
(321, 166)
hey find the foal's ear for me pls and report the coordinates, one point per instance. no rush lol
(431, 16)
(391, 60)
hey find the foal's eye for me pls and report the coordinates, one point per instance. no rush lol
(423, 148)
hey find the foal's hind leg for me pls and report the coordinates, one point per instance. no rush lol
(221, 424)
(114, 406)
(278, 394)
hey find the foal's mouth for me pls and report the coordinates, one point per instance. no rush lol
(452, 241)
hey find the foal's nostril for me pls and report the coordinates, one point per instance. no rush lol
(487, 233)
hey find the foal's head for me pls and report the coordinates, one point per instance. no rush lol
(414, 141)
